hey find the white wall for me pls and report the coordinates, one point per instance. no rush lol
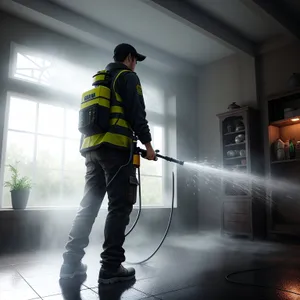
(229, 80)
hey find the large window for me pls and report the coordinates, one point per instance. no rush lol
(45, 141)
(43, 136)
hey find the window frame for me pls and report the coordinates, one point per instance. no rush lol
(4, 146)
(36, 134)
(64, 138)
(14, 49)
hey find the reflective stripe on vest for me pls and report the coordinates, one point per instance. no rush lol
(108, 138)
(120, 133)
(116, 109)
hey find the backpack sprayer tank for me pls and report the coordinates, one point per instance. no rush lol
(95, 106)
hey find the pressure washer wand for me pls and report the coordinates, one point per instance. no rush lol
(167, 158)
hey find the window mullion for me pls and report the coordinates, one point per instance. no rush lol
(63, 155)
(36, 129)
(4, 147)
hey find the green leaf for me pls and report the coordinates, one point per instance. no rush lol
(17, 182)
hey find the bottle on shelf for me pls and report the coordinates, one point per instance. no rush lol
(278, 150)
(297, 150)
(292, 149)
(287, 149)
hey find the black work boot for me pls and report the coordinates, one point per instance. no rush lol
(70, 271)
(121, 274)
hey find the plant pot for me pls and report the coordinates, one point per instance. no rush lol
(19, 198)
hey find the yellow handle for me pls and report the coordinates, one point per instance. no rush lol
(136, 160)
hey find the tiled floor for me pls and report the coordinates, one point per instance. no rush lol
(187, 267)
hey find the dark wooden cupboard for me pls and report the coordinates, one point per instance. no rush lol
(243, 204)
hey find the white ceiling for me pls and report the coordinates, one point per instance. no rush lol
(243, 16)
(147, 24)
(164, 37)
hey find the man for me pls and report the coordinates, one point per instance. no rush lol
(109, 169)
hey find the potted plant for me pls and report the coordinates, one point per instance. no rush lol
(19, 187)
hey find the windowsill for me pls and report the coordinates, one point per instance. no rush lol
(74, 208)
(37, 208)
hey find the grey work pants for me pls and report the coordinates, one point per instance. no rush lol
(101, 166)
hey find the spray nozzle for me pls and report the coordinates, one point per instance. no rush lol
(143, 153)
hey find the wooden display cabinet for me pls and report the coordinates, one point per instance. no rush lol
(284, 195)
(243, 212)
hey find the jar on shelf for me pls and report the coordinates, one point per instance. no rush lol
(229, 128)
(243, 152)
(279, 149)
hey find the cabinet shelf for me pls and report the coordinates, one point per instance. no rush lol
(235, 144)
(285, 161)
(286, 122)
(236, 157)
(234, 132)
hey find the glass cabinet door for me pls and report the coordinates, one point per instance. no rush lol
(234, 142)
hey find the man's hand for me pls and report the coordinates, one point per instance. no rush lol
(151, 154)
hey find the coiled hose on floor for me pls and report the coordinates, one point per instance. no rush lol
(227, 277)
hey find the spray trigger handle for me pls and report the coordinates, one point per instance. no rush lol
(142, 152)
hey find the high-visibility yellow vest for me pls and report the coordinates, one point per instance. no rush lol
(119, 133)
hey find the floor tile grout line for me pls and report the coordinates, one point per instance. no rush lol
(51, 295)
(147, 294)
(150, 297)
(172, 291)
(28, 283)
(93, 287)
(88, 288)
(56, 294)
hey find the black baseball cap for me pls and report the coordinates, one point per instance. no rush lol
(123, 50)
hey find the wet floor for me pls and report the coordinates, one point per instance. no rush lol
(188, 267)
